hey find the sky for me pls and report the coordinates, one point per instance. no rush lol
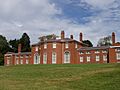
(94, 18)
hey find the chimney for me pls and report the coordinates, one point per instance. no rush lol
(62, 35)
(113, 38)
(81, 37)
(19, 48)
(71, 36)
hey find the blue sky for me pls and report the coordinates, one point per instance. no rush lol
(95, 18)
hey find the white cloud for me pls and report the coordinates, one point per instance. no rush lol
(37, 17)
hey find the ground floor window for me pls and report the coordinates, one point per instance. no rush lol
(27, 61)
(8, 62)
(21, 61)
(54, 58)
(36, 58)
(81, 59)
(88, 58)
(44, 58)
(118, 56)
(97, 58)
(104, 57)
(17, 61)
(67, 57)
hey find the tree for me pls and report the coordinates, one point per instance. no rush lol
(4, 47)
(106, 41)
(88, 42)
(14, 45)
(48, 37)
(25, 42)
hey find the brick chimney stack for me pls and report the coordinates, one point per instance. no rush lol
(113, 38)
(71, 36)
(19, 48)
(62, 35)
(81, 37)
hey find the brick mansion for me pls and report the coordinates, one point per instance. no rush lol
(65, 51)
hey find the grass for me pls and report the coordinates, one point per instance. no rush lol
(60, 77)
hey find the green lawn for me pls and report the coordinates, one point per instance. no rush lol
(60, 77)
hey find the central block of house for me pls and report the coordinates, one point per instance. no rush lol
(56, 51)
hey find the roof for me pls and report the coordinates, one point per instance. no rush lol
(22, 53)
(58, 40)
(93, 48)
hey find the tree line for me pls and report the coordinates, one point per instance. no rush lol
(12, 45)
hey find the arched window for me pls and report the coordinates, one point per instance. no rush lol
(45, 58)
(36, 58)
(53, 58)
(67, 57)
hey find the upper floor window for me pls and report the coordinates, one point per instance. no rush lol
(97, 51)
(36, 48)
(27, 56)
(21, 56)
(88, 52)
(54, 45)
(66, 45)
(76, 46)
(104, 51)
(81, 52)
(117, 49)
(118, 56)
(17, 56)
(45, 45)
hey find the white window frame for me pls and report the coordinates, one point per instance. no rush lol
(88, 58)
(117, 49)
(17, 61)
(88, 52)
(67, 57)
(81, 52)
(27, 56)
(66, 45)
(118, 56)
(45, 58)
(97, 51)
(36, 48)
(54, 45)
(97, 58)
(45, 45)
(104, 51)
(76, 45)
(36, 58)
(21, 61)
(54, 57)
(8, 61)
(104, 57)
(81, 58)
(27, 61)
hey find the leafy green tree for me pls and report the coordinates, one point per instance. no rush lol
(88, 42)
(4, 47)
(25, 42)
(14, 45)
(105, 41)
